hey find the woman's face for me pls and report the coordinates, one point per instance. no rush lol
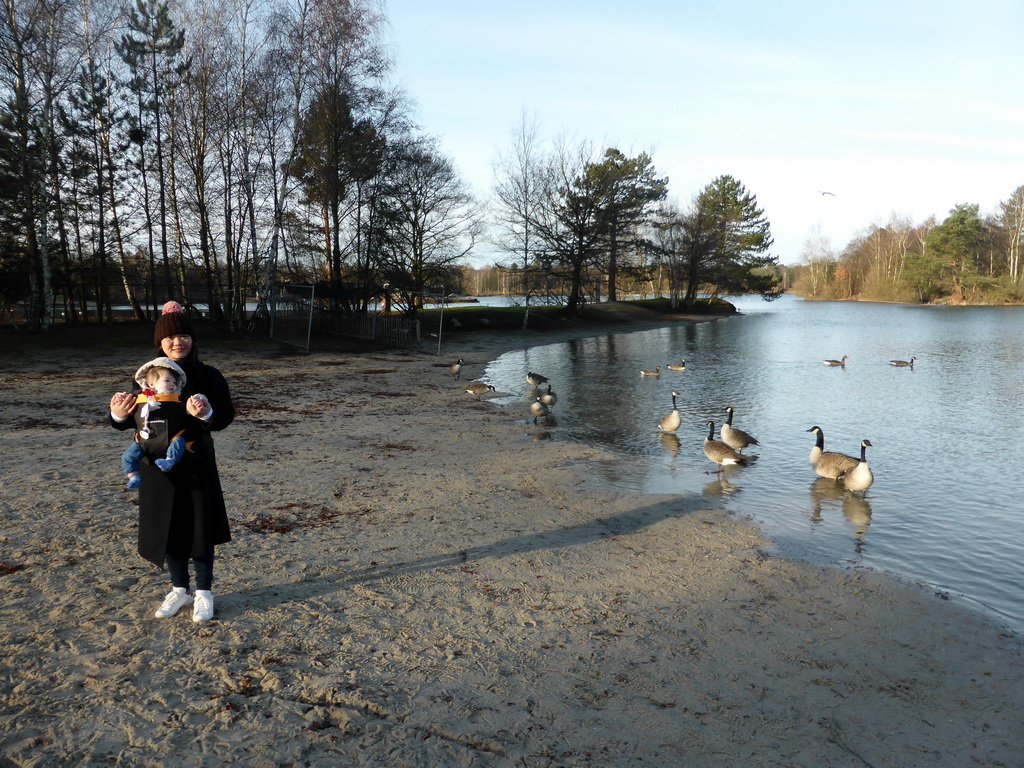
(176, 347)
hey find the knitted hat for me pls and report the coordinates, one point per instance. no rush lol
(173, 322)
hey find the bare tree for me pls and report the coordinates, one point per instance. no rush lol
(38, 59)
(668, 236)
(517, 191)
(205, 190)
(569, 217)
(815, 279)
(1011, 218)
(434, 223)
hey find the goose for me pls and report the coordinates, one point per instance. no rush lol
(840, 363)
(859, 477)
(670, 421)
(538, 409)
(478, 388)
(736, 439)
(549, 398)
(719, 452)
(535, 379)
(681, 366)
(456, 368)
(655, 372)
(903, 363)
(826, 463)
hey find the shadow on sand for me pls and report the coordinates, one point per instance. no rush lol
(231, 605)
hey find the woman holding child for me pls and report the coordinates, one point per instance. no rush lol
(182, 515)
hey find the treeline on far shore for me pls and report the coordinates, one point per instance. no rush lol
(966, 258)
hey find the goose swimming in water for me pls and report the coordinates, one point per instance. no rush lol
(655, 372)
(826, 463)
(903, 364)
(841, 363)
(736, 439)
(859, 477)
(670, 421)
(719, 452)
(680, 366)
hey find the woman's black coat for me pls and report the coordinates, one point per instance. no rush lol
(182, 511)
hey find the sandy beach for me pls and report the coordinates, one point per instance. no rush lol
(418, 579)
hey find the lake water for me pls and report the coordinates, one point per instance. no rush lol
(948, 435)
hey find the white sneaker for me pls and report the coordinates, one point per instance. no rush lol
(176, 599)
(203, 608)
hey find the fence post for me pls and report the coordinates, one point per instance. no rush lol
(440, 327)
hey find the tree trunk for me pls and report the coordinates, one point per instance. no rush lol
(575, 285)
(613, 263)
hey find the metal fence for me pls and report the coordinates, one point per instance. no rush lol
(291, 316)
(387, 330)
(297, 312)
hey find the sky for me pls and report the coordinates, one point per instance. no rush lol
(898, 108)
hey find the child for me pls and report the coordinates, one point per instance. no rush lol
(160, 419)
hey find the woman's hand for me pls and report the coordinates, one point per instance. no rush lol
(122, 405)
(199, 406)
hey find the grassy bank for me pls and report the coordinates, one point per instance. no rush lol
(461, 318)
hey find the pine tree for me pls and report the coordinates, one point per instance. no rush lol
(152, 50)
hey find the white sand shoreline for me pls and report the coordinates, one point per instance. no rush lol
(413, 581)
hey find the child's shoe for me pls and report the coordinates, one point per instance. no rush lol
(165, 464)
(176, 599)
(134, 481)
(202, 610)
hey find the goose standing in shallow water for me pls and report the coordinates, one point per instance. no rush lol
(478, 388)
(655, 372)
(670, 421)
(826, 463)
(841, 363)
(456, 369)
(538, 409)
(719, 452)
(535, 379)
(903, 364)
(680, 366)
(549, 398)
(736, 439)
(859, 478)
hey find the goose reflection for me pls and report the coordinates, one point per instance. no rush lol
(540, 434)
(827, 494)
(544, 419)
(857, 511)
(670, 442)
(722, 488)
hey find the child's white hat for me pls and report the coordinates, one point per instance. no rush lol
(160, 362)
